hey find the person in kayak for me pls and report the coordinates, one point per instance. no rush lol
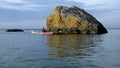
(43, 30)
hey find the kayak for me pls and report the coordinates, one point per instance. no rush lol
(33, 32)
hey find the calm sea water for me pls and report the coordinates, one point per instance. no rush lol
(26, 50)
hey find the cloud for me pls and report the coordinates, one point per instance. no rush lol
(15, 1)
(98, 4)
(21, 5)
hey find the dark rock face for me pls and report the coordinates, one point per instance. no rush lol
(73, 20)
(14, 30)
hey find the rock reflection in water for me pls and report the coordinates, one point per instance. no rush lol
(72, 45)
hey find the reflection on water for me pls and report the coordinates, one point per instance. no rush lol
(26, 50)
(72, 45)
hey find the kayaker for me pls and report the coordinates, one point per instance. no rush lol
(43, 30)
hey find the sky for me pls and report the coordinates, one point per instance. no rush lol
(32, 14)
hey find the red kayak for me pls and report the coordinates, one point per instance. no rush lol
(33, 32)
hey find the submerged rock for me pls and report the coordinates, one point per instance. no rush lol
(73, 20)
(14, 30)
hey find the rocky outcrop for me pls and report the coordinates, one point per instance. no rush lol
(73, 20)
(14, 30)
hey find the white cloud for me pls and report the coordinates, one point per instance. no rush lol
(98, 4)
(14, 1)
(89, 2)
(21, 5)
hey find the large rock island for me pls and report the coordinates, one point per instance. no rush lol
(73, 20)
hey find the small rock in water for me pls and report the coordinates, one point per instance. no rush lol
(14, 30)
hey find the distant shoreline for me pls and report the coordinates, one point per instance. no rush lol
(41, 28)
(112, 28)
(25, 29)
